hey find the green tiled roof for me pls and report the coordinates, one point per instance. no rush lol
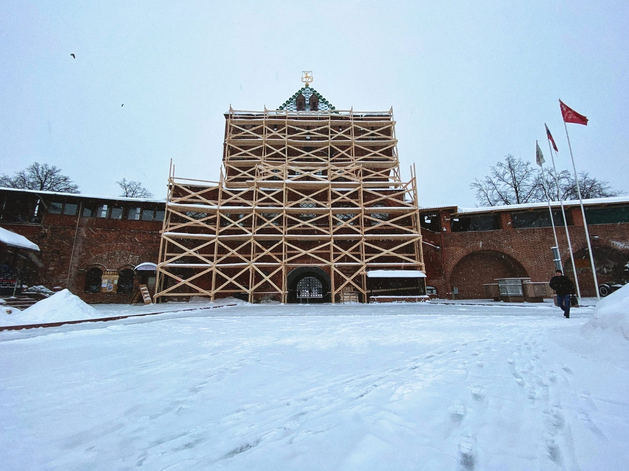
(307, 91)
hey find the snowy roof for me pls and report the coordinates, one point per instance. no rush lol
(557, 204)
(146, 266)
(16, 240)
(81, 195)
(529, 206)
(395, 274)
(307, 91)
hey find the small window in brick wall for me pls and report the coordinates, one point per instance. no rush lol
(93, 279)
(70, 209)
(152, 215)
(527, 219)
(116, 213)
(102, 211)
(609, 215)
(55, 208)
(89, 211)
(475, 223)
(430, 221)
(134, 214)
(125, 281)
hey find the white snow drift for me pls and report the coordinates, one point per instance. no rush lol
(612, 313)
(283, 387)
(61, 306)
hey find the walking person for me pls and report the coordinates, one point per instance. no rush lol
(564, 288)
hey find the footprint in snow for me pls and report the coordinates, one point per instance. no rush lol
(467, 458)
(553, 450)
(478, 392)
(457, 411)
(585, 418)
(587, 398)
(556, 418)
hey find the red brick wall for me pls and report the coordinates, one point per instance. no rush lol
(447, 266)
(466, 260)
(106, 243)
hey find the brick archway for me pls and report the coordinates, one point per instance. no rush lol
(610, 265)
(476, 269)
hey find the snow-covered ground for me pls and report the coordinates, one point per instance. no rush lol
(426, 386)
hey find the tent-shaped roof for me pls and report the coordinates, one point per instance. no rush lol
(307, 91)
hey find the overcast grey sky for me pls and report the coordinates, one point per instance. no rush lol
(469, 82)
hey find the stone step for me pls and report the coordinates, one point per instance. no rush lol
(22, 301)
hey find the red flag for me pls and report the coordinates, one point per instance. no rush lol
(571, 116)
(550, 138)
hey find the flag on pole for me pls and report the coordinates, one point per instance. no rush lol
(550, 138)
(539, 157)
(571, 116)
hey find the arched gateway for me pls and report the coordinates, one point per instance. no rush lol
(476, 269)
(308, 285)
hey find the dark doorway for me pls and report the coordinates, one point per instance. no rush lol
(308, 285)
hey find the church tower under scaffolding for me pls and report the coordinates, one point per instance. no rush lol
(310, 207)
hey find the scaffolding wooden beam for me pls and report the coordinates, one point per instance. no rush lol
(298, 190)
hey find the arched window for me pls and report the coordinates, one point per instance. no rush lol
(125, 281)
(379, 216)
(93, 279)
(308, 203)
(341, 218)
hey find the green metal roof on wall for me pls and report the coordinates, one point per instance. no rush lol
(307, 91)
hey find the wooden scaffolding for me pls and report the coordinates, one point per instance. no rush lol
(299, 191)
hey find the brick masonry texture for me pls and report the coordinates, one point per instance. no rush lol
(465, 260)
(471, 259)
(68, 251)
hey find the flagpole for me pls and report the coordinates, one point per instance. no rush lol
(565, 223)
(585, 223)
(550, 210)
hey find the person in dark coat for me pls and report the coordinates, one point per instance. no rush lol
(564, 288)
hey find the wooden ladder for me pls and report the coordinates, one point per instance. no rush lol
(144, 292)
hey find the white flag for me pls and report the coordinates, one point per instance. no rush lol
(539, 157)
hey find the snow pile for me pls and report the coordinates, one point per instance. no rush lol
(62, 306)
(4, 309)
(612, 313)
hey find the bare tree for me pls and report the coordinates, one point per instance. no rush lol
(590, 188)
(131, 189)
(511, 181)
(567, 190)
(514, 181)
(551, 187)
(41, 177)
